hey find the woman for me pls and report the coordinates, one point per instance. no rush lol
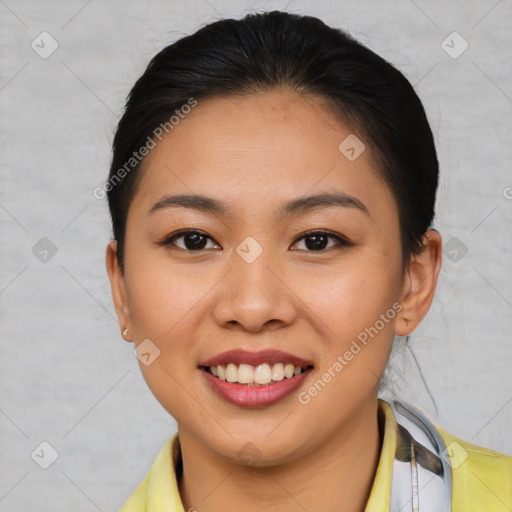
(271, 191)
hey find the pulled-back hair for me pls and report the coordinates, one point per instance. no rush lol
(279, 50)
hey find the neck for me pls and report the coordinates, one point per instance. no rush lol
(336, 477)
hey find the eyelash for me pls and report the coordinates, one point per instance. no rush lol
(341, 241)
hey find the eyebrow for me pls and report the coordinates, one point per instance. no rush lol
(293, 207)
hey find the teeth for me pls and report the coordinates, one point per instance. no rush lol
(277, 372)
(288, 371)
(261, 375)
(231, 373)
(245, 374)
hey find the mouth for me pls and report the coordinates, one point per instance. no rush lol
(255, 379)
(255, 386)
(265, 374)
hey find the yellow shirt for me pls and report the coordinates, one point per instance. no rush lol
(481, 479)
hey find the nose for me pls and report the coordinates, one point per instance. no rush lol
(255, 296)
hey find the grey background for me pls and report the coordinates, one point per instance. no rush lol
(69, 379)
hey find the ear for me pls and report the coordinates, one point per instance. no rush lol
(420, 283)
(118, 290)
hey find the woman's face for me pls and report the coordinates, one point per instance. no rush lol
(254, 281)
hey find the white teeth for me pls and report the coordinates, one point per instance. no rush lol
(245, 374)
(231, 373)
(278, 372)
(261, 375)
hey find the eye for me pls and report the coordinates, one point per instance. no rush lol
(317, 240)
(194, 240)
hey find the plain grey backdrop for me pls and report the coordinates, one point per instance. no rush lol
(69, 381)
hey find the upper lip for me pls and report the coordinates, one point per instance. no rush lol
(240, 356)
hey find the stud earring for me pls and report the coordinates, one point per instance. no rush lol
(125, 332)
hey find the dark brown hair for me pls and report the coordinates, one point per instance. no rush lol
(272, 50)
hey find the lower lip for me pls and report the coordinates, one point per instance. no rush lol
(255, 396)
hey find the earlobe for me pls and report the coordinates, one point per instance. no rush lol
(117, 285)
(420, 284)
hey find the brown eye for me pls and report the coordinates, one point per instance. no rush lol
(193, 240)
(319, 240)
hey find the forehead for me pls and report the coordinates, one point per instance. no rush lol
(254, 150)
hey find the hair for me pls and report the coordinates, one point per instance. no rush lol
(284, 51)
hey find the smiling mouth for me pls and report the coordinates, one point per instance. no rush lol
(261, 375)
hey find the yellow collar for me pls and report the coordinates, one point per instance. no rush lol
(380, 495)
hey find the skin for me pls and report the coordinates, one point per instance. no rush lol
(255, 153)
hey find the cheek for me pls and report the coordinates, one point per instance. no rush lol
(350, 296)
(353, 310)
(161, 294)
(164, 301)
